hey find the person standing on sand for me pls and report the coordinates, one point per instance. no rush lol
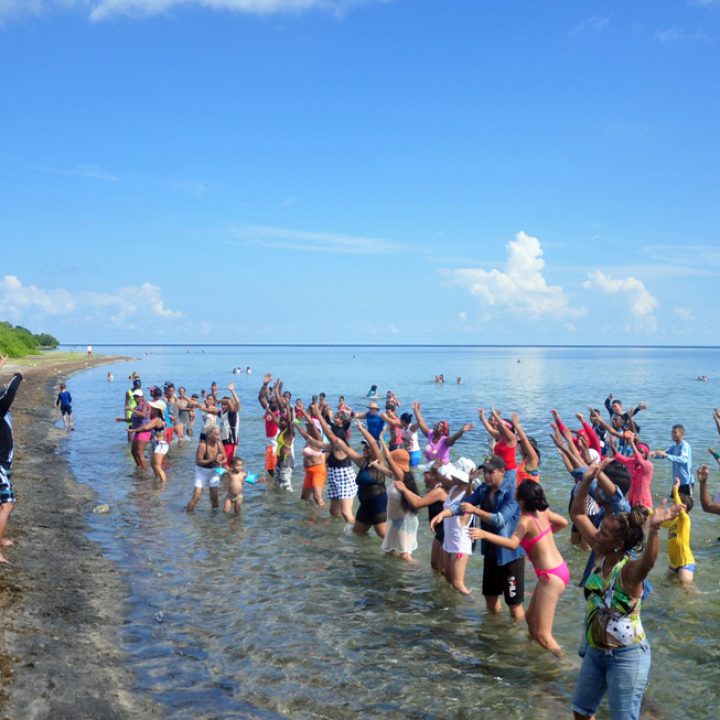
(7, 496)
(64, 403)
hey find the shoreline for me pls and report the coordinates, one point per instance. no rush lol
(62, 601)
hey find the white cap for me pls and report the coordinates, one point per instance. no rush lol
(594, 455)
(138, 393)
(466, 464)
(451, 472)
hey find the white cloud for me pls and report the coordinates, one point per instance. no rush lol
(106, 9)
(121, 308)
(595, 23)
(463, 316)
(521, 287)
(684, 313)
(16, 299)
(642, 303)
(312, 241)
(674, 34)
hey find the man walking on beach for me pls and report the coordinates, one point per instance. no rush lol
(7, 496)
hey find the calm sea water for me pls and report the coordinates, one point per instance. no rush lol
(279, 612)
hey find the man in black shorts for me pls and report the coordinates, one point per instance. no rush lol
(504, 570)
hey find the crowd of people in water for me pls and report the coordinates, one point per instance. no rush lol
(499, 501)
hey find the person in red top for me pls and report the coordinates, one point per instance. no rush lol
(584, 438)
(505, 440)
(272, 427)
(641, 471)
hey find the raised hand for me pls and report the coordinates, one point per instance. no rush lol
(267, 378)
(665, 512)
(467, 427)
(416, 405)
(703, 472)
(515, 419)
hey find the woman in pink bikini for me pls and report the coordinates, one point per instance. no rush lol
(534, 533)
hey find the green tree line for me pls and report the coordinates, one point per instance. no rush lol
(17, 341)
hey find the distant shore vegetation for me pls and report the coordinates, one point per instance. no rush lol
(17, 341)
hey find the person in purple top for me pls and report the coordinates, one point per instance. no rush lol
(7, 495)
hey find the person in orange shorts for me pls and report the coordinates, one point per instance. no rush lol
(313, 460)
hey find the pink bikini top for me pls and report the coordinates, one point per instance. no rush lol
(526, 543)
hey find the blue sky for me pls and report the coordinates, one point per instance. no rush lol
(402, 171)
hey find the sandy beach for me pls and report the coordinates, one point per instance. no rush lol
(61, 600)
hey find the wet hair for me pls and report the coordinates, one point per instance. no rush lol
(619, 475)
(679, 427)
(373, 387)
(532, 496)
(630, 526)
(411, 485)
(686, 500)
(236, 459)
(406, 417)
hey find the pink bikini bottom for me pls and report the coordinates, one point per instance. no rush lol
(561, 571)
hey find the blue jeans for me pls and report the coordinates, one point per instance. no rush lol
(622, 672)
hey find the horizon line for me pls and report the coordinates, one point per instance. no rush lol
(397, 345)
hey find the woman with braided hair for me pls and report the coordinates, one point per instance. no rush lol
(615, 651)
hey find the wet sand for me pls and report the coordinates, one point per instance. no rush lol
(61, 601)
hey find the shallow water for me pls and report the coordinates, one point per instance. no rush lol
(279, 612)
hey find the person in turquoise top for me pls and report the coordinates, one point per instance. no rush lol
(680, 455)
(615, 652)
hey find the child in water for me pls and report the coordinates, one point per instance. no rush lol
(681, 560)
(235, 477)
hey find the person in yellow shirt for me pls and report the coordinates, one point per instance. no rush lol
(682, 561)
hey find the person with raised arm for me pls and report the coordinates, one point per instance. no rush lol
(615, 408)
(313, 455)
(534, 534)
(341, 484)
(229, 421)
(530, 465)
(614, 431)
(439, 438)
(271, 416)
(708, 505)
(457, 544)
(616, 654)
(370, 479)
(402, 520)
(641, 472)
(503, 437)
(437, 491)
(584, 439)
(7, 448)
(373, 419)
